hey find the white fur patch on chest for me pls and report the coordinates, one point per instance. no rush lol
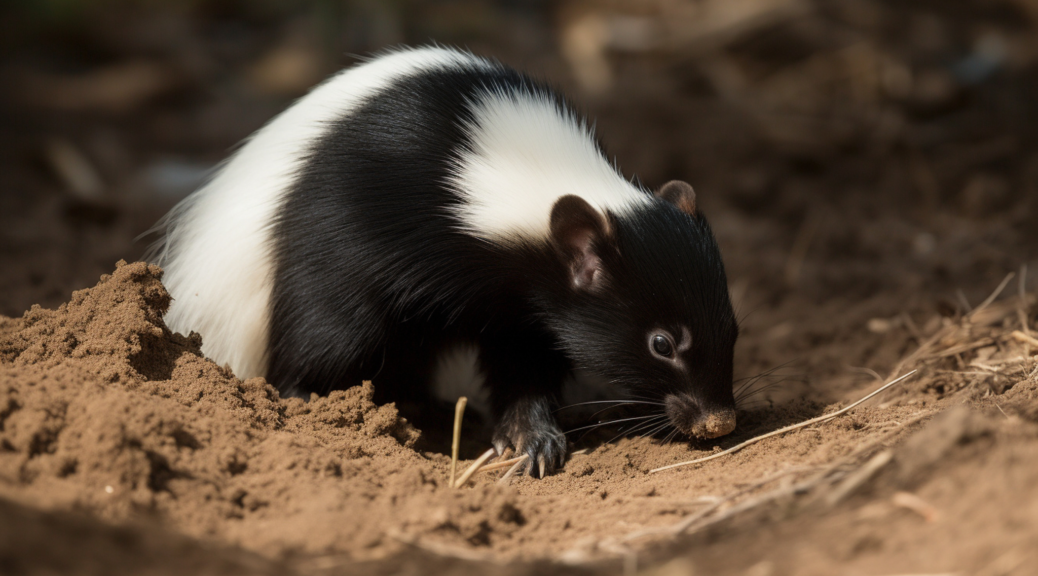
(527, 152)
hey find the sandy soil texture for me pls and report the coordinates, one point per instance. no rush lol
(108, 413)
(869, 167)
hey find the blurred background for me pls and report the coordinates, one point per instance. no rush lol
(861, 161)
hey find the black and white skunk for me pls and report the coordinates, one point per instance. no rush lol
(429, 197)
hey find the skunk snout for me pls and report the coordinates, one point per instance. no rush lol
(690, 417)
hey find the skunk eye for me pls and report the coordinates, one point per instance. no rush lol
(662, 345)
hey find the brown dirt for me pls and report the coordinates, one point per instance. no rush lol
(869, 167)
(106, 412)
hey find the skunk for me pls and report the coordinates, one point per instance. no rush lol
(428, 197)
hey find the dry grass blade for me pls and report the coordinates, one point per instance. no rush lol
(923, 348)
(504, 479)
(1024, 338)
(502, 464)
(475, 466)
(440, 549)
(702, 518)
(781, 431)
(861, 476)
(688, 521)
(680, 526)
(459, 411)
(987, 302)
(1020, 310)
(868, 445)
(965, 347)
(511, 461)
(752, 503)
(917, 505)
(982, 315)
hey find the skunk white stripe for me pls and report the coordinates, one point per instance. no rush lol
(526, 153)
(216, 252)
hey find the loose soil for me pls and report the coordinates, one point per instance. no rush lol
(871, 173)
(106, 412)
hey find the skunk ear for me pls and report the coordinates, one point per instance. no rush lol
(680, 194)
(576, 230)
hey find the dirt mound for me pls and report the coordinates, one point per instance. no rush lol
(105, 410)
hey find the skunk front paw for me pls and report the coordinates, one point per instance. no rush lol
(529, 427)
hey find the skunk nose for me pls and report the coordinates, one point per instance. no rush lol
(689, 417)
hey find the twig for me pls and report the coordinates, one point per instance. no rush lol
(993, 295)
(762, 500)
(1023, 300)
(475, 466)
(503, 464)
(869, 445)
(506, 463)
(781, 431)
(459, 411)
(923, 348)
(678, 528)
(916, 504)
(868, 371)
(687, 527)
(701, 501)
(689, 524)
(988, 370)
(504, 479)
(995, 362)
(1024, 338)
(438, 548)
(688, 521)
(859, 477)
(964, 348)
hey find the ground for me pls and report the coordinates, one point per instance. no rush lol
(868, 167)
